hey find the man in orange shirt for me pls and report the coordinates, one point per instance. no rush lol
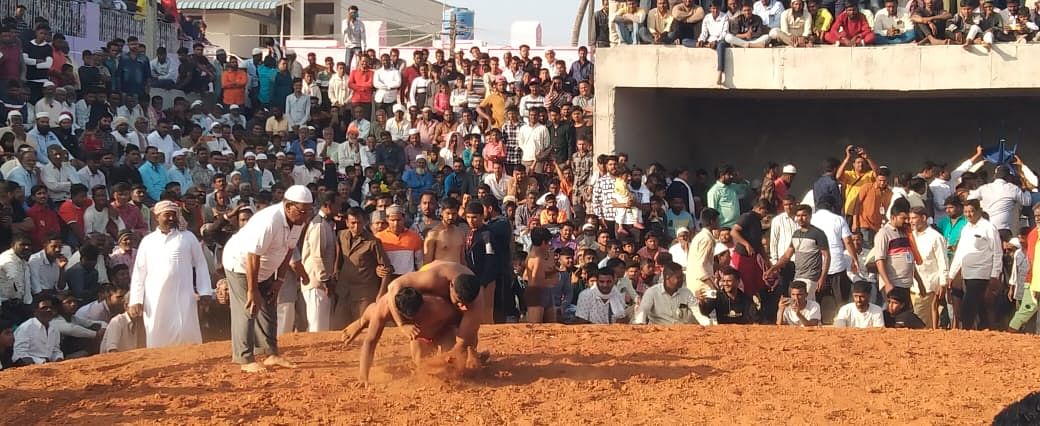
(871, 206)
(233, 83)
(403, 246)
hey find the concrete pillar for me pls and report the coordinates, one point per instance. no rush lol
(296, 20)
(339, 13)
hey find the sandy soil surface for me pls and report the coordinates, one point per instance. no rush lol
(555, 375)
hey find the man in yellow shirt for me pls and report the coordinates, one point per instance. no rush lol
(859, 177)
(493, 107)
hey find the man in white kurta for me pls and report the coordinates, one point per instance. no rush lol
(169, 280)
(319, 255)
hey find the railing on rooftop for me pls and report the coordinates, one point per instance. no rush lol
(65, 16)
(123, 24)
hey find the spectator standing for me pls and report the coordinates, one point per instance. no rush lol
(318, 256)
(354, 37)
(747, 256)
(839, 239)
(808, 248)
(387, 84)
(361, 85)
(978, 259)
(826, 185)
(1003, 200)
(254, 261)
(169, 269)
(896, 255)
(933, 269)
(362, 267)
(402, 245)
(723, 198)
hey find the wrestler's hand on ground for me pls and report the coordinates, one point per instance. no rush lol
(351, 332)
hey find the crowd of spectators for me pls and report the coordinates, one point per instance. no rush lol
(806, 23)
(461, 157)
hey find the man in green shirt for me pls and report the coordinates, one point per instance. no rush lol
(950, 226)
(723, 198)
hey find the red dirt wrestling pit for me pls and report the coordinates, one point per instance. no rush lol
(556, 375)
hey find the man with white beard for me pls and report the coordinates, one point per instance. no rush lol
(169, 261)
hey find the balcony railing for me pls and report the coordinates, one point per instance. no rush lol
(123, 24)
(65, 17)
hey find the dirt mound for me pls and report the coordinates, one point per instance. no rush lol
(554, 375)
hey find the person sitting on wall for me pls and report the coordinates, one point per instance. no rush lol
(892, 25)
(850, 29)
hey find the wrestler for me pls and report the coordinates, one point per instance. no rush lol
(447, 240)
(434, 324)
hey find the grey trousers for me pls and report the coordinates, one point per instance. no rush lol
(251, 336)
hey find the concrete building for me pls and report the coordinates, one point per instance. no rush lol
(905, 104)
(238, 25)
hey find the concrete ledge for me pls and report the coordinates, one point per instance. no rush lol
(902, 67)
(858, 72)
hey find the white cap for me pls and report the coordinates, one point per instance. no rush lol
(260, 156)
(249, 155)
(298, 194)
(14, 113)
(420, 157)
(789, 170)
(234, 173)
(64, 117)
(214, 124)
(683, 230)
(175, 127)
(1015, 242)
(43, 114)
(280, 155)
(258, 51)
(308, 151)
(720, 248)
(233, 107)
(399, 107)
(587, 226)
(196, 103)
(413, 132)
(48, 83)
(178, 153)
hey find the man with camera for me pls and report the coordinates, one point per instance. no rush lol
(863, 173)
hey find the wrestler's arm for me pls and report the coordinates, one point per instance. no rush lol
(368, 347)
(466, 339)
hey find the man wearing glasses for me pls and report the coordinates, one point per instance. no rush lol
(255, 261)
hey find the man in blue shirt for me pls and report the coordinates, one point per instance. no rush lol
(154, 174)
(179, 172)
(418, 179)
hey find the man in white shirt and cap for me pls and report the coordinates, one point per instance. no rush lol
(255, 262)
(169, 280)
